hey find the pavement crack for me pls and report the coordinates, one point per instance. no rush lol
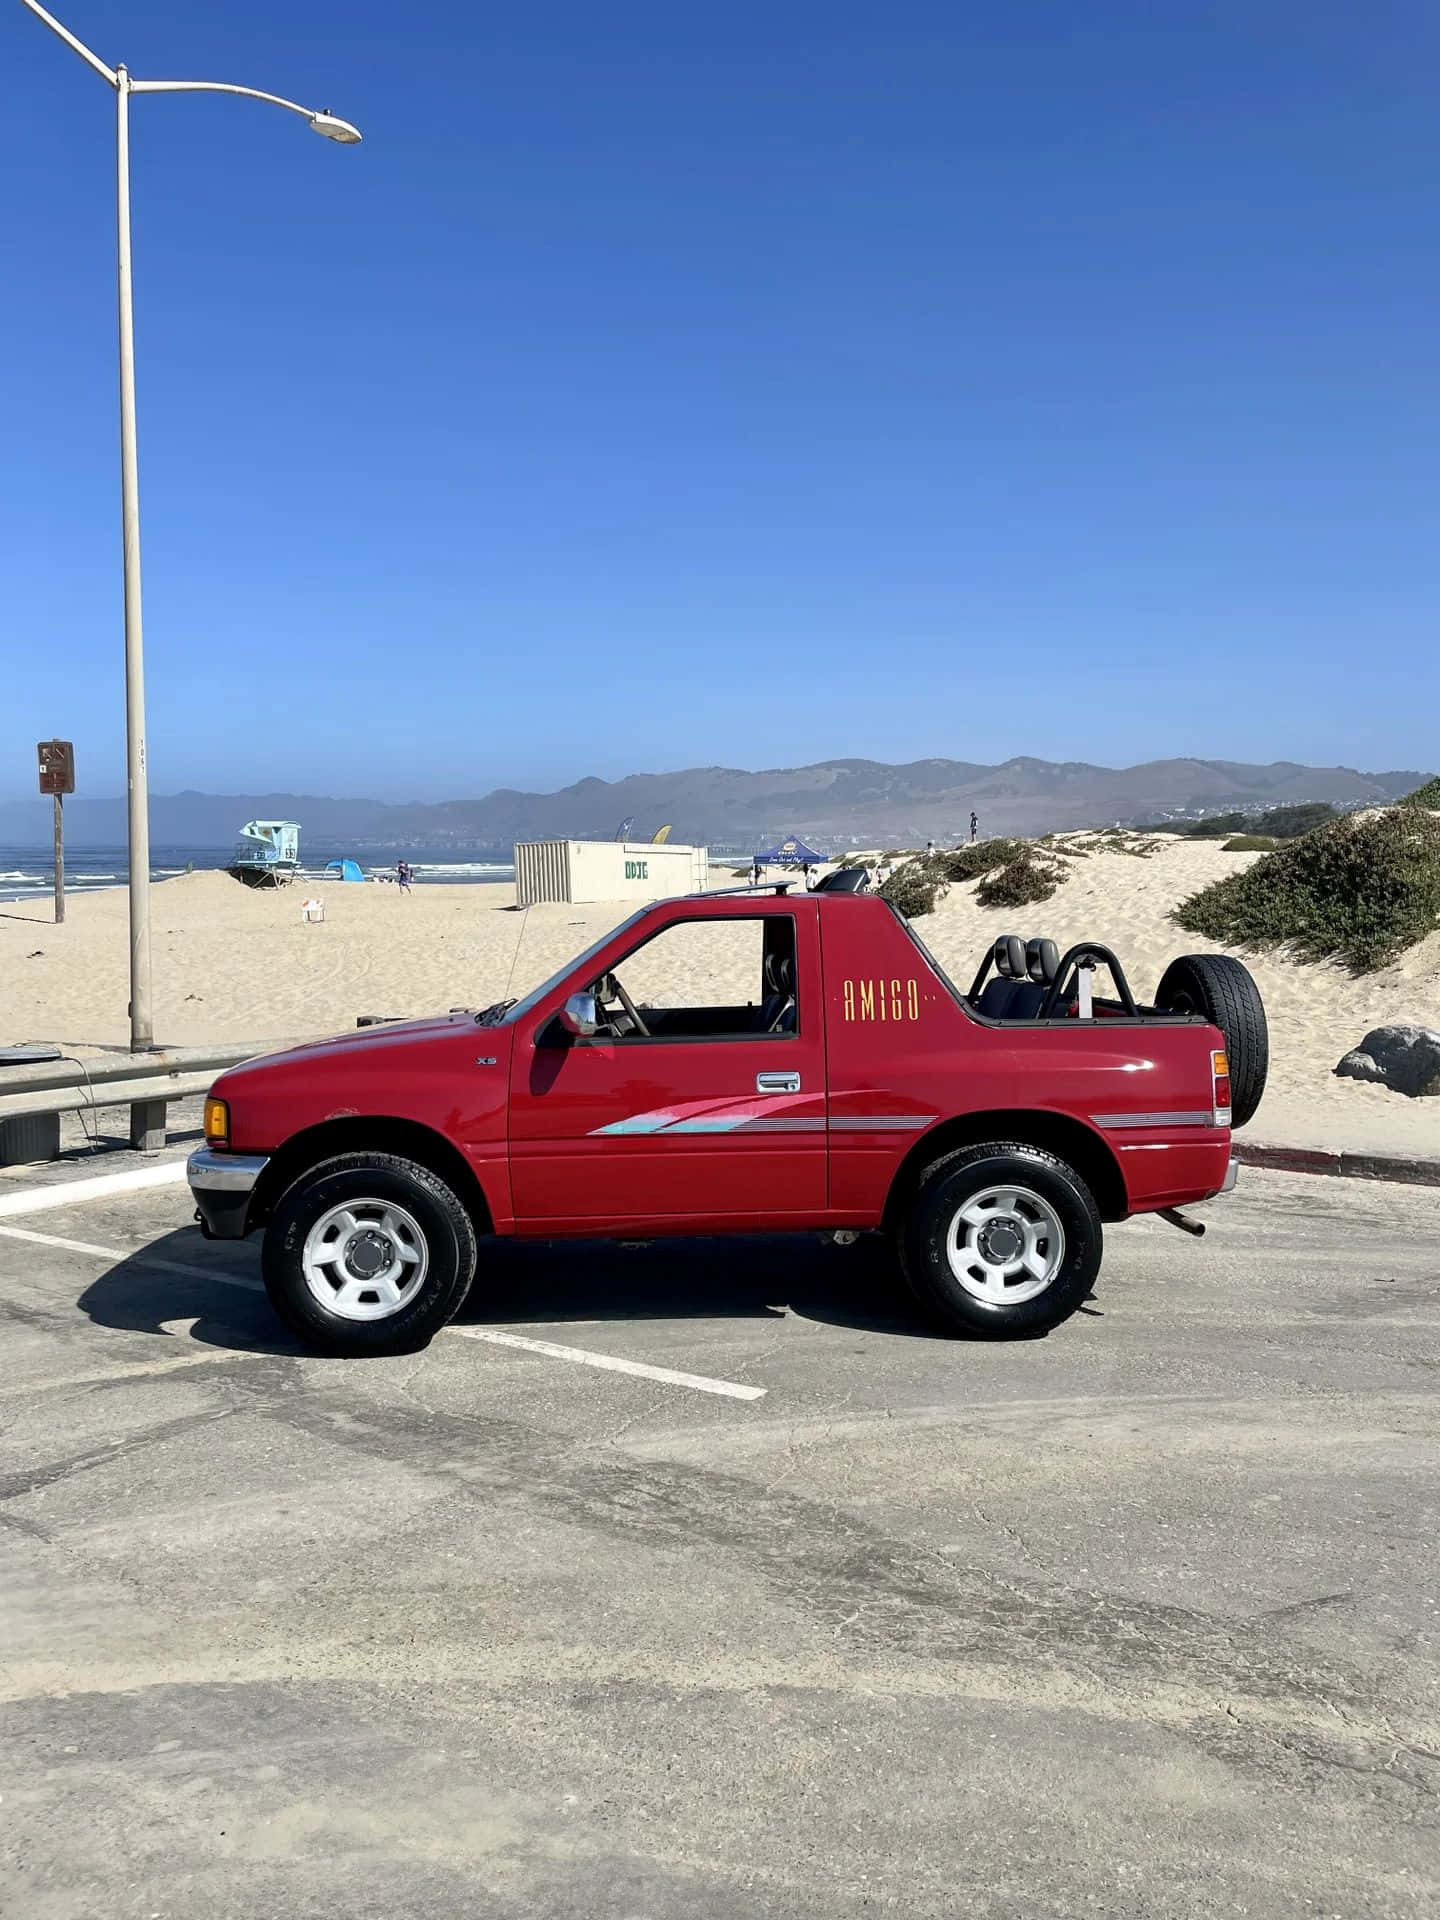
(14, 1486)
(407, 1381)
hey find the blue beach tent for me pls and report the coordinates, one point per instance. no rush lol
(791, 853)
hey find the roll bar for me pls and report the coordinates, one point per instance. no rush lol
(1088, 953)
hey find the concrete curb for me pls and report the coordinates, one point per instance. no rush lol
(1418, 1172)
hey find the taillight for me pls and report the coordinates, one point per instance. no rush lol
(1220, 1087)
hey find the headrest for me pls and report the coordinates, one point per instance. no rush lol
(1042, 961)
(1010, 957)
(785, 972)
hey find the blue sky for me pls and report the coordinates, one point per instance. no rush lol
(663, 386)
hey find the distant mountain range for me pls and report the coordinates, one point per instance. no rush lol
(839, 802)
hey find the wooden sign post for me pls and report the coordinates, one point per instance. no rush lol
(57, 777)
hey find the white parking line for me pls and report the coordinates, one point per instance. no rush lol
(580, 1356)
(140, 1257)
(701, 1383)
(68, 1193)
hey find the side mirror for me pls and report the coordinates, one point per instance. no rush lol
(578, 1016)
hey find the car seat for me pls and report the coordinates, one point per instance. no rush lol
(777, 1010)
(1042, 963)
(1024, 971)
(995, 1000)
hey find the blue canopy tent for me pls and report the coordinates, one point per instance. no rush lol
(347, 869)
(791, 853)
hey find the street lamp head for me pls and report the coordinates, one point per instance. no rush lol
(335, 129)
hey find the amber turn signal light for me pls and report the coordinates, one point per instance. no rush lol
(217, 1123)
(1220, 1085)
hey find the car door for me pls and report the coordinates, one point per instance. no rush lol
(718, 1114)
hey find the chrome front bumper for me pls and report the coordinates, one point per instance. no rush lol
(221, 1184)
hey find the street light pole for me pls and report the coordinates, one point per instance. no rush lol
(147, 1119)
(142, 1019)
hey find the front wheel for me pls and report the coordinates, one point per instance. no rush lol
(1000, 1240)
(368, 1254)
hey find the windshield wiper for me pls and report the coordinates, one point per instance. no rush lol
(492, 1016)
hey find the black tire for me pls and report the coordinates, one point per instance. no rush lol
(958, 1178)
(444, 1231)
(1223, 990)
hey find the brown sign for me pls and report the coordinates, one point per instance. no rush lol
(57, 766)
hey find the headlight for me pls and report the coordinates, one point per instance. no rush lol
(217, 1122)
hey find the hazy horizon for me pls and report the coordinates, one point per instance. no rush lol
(334, 795)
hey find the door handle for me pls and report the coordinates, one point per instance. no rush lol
(777, 1083)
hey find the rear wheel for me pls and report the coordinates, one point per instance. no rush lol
(1000, 1240)
(1223, 991)
(368, 1254)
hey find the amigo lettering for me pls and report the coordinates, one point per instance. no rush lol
(887, 1000)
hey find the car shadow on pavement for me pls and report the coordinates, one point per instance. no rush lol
(719, 1278)
(144, 1293)
(162, 1287)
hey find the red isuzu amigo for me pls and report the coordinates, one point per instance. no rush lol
(816, 1069)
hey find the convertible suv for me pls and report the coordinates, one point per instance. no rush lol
(740, 1063)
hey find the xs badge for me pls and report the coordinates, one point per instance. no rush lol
(485, 1059)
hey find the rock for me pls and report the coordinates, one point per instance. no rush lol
(1405, 1059)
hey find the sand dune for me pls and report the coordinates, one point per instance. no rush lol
(231, 964)
(1316, 1012)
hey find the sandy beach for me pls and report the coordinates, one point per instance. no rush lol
(235, 965)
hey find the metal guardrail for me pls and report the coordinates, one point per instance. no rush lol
(74, 1072)
(116, 1080)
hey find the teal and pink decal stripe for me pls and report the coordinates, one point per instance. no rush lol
(761, 1113)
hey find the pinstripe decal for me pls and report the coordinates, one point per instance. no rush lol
(1201, 1117)
(638, 1123)
(739, 1120)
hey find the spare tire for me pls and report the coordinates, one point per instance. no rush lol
(1220, 988)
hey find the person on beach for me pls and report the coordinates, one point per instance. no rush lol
(404, 873)
(755, 874)
(974, 827)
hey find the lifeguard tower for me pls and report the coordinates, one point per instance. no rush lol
(267, 853)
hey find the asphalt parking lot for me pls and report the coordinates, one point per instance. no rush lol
(1136, 1620)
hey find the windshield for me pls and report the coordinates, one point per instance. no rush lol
(519, 1008)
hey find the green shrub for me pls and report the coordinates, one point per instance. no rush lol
(1289, 823)
(1250, 843)
(1279, 823)
(1360, 891)
(914, 888)
(1020, 883)
(969, 862)
(1426, 796)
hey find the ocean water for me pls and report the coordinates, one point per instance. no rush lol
(28, 873)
